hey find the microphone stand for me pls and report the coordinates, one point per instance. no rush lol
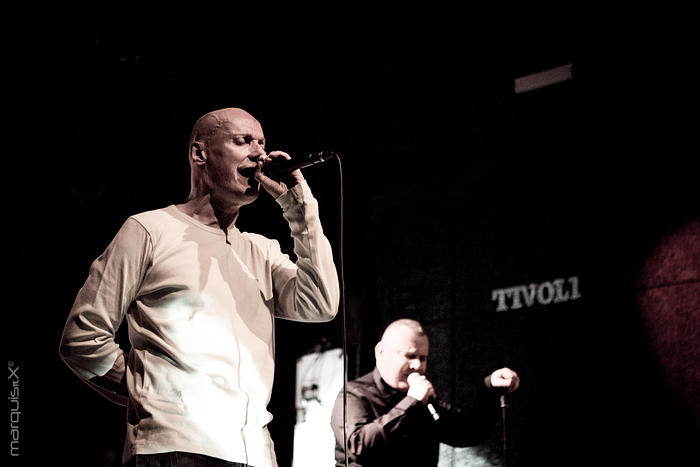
(504, 406)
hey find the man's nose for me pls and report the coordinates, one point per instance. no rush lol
(256, 150)
(415, 364)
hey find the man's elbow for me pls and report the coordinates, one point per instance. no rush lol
(329, 310)
(322, 313)
(65, 350)
(320, 307)
(67, 353)
(75, 357)
(333, 301)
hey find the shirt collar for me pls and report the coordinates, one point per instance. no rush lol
(382, 385)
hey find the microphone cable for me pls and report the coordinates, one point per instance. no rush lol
(342, 312)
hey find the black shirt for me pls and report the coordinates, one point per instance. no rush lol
(385, 427)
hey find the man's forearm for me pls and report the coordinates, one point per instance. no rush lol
(316, 289)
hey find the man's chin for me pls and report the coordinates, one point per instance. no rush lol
(253, 191)
(402, 386)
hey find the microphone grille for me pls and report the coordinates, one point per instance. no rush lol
(323, 155)
(412, 376)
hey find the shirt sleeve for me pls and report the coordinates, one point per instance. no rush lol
(88, 344)
(370, 437)
(307, 290)
(460, 428)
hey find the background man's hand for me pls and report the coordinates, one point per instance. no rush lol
(419, 387)
(505, 378)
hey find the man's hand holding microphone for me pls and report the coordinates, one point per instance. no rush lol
(420, 388)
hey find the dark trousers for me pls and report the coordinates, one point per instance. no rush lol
(179, 459)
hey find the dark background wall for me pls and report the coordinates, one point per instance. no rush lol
(453, 186)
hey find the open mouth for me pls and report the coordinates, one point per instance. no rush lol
(253, 185)
(247, 172)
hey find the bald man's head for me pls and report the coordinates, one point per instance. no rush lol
(213, 127)
(402, 350)
(411, 324)
(208, 124)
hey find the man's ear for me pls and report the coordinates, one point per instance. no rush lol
(198, 155)
(378, 349)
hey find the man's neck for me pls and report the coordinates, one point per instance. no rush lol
(210, 211)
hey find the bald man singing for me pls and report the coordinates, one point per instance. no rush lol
(200, 297)
(393, 414)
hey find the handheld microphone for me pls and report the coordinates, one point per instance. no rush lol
(431, 409)
(281, 166)
(433, 412)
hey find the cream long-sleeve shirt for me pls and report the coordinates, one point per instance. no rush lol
(200, 306)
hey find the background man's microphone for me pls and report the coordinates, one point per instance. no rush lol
(431, 409)
(281, 166)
